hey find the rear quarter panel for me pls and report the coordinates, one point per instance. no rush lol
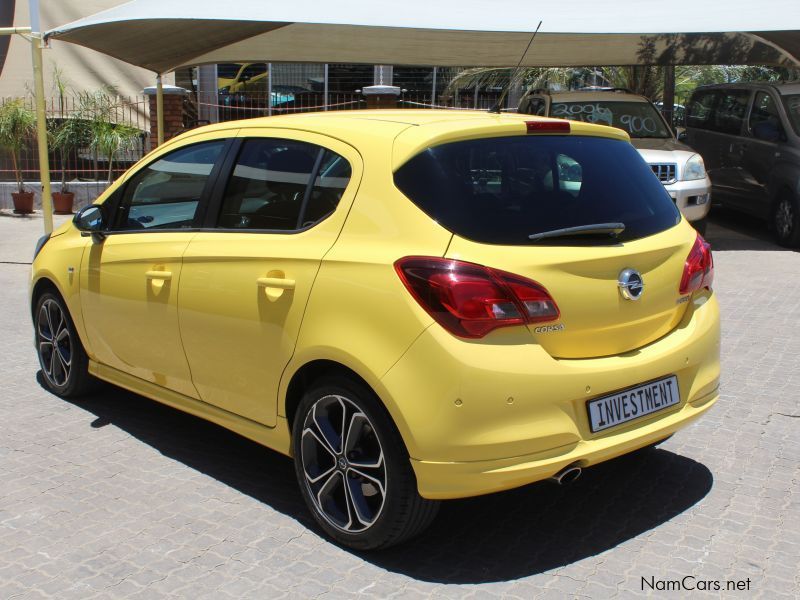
(359, 313)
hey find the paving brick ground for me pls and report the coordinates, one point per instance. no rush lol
(117, 496)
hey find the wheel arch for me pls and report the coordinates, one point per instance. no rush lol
(40, 286)
(309, 372)
(46, 282)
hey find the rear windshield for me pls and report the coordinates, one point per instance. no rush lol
(639, 119)
(502, 190)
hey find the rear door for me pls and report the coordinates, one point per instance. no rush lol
(247, 277)
(728, 123)
(714, 121)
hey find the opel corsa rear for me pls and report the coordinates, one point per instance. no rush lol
(414, 305)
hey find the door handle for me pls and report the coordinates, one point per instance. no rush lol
(274, 287)
(163, 275)
(276, 282)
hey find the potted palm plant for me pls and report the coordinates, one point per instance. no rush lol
(109, 139)
(68, 132)
(106, 134)
(66, 135)
(17, 124)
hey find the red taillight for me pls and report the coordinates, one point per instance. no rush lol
(547, 126)
(471, 300)
(698, 271)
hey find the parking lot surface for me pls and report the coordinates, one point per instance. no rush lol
(114, 495)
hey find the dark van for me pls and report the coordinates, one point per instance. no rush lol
(749, 137)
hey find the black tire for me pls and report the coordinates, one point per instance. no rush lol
(786, 220)
(65, 365)
(700, 225)
(371, 458)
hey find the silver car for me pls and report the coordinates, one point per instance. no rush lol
(676, 165)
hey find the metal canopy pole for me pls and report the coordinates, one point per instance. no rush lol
(34, 36)
(41, 115)
(325, 98)
(668, 99)
(160, 109)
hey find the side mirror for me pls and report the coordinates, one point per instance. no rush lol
(682, 135)
(90, 221)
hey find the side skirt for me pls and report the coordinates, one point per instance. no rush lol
(277, 438)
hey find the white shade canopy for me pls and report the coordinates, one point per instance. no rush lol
(162, 35)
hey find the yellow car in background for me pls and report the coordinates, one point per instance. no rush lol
(414, 305)
(236, 78)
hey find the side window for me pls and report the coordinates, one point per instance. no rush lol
(698, 113)
(166, 193)
(537, 106)
(729, 116)
(329, 185)
(533, 106)
(269, 187)
(765, 122)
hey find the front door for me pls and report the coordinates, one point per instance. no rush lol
(246, 282)
(129, 280)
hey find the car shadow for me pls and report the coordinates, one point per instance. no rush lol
(491, 538)
(731, 230)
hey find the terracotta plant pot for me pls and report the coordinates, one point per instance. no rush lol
(23, 202)
(62, 202)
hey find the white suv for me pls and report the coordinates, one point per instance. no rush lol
(676, 165)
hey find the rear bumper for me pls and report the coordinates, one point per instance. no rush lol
(489, 415)
(693, 198)
(457, 480)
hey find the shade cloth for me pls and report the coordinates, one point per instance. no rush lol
(162, 35)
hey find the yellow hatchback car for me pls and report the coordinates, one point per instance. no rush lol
(414, 305)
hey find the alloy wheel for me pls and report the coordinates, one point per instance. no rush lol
(343, 463)
(54, 343)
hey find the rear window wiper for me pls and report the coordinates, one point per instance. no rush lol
(612, 229)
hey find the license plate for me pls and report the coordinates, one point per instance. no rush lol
(633, 403)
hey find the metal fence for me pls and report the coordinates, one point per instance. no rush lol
(87, 169)
(88, 166)
(229, 107)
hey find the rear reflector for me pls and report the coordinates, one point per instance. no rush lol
(698, 271)
(547, 126)
(471, 300)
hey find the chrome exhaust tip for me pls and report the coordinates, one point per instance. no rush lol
(566, 475)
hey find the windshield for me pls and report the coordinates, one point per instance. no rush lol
(505, 190)
(639, 119)
(228, 70)
(792, 103)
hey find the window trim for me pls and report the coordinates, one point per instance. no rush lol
(217, 197)
(202, 205)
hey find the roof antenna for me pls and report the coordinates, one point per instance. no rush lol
(496, 108)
